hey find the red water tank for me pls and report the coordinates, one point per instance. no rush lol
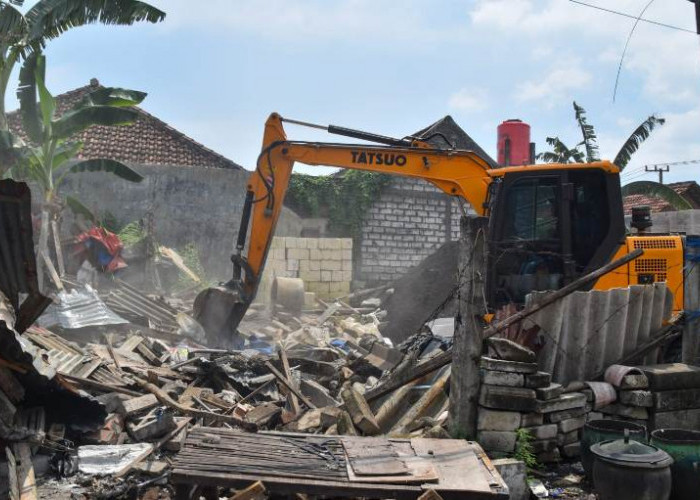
(514, 143)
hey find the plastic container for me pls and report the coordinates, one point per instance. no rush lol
(684, 448)
(625, 469)
(605, 430)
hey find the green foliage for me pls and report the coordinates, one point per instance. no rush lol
(344, 198)
(132, 233)
(523, 449)
(590, 140)
(24, 34)
(190, 256)
(51, 156)
(635, 140)
(560, 153)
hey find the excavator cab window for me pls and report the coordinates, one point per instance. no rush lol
(548, 228)
(527, 252)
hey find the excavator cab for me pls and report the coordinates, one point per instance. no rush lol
(549, 227)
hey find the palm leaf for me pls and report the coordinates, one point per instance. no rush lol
(103, 165)
(657, 190)
(111, 96)
(49, 18)
(27, 96)
(47, 103)
(13, 25)
(560, 152)
(78, 208)
(635, 140)
(78, 120)
(590, 140)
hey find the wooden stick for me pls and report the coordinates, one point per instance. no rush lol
(100, 386)
(561, 293)
(293, 401)
(289, 385)
(158, 444)
(163, 397)
(59, 250)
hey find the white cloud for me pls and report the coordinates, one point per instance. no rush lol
(469, 99)
(555, 85)
(309, 21)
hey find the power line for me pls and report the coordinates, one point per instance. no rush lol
(672, 163)
(624, 14)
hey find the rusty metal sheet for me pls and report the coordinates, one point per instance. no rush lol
(139, 308)
(586, 332)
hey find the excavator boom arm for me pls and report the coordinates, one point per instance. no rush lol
(457, 173)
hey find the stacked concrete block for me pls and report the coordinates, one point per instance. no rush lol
(325, 265)
(515, 395)
(659, 397)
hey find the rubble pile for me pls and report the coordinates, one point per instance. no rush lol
(515, 395)
(153, 379)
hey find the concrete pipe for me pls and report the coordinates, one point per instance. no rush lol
(288, 292)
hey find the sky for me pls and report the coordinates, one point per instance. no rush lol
(216, 69)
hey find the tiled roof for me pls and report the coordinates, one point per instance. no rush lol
(147, 141)
(687, 189)
(638, 200)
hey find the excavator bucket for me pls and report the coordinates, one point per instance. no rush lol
(220, 310)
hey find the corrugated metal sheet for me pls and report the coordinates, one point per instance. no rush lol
(587, 331)
(134, 305)
(17, 263)
(79, 308)
(42, 386)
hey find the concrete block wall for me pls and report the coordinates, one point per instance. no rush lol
(189, 204)
(325, 265)
(408, 222)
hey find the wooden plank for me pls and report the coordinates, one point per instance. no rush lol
(298, 485)
(289, 385)
(373, 457)
(255, 491)
(456, 463)
(293, 401)
(24, 470)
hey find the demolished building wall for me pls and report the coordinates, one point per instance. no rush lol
(191, 204)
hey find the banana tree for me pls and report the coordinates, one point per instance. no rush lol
(21, 34)
(53, 150)
(561, 154)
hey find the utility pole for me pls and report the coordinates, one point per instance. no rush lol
(659, 169)
(697, 14)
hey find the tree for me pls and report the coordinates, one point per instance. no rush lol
(51, 154)
(24, 34)
(561, 154)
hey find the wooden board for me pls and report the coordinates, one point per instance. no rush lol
(456, 462)
(373, 457)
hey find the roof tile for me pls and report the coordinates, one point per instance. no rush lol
(147, 141)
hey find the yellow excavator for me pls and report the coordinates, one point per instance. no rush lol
(549, 224)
